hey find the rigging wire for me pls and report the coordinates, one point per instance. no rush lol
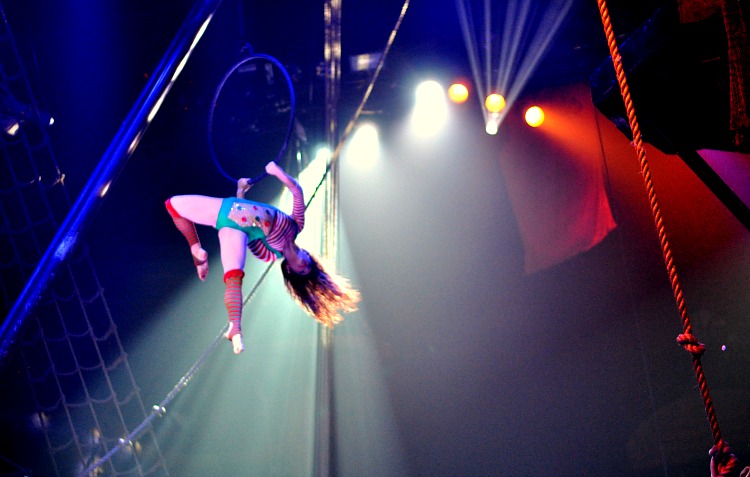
(358, 112)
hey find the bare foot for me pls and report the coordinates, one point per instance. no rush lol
(200, 259)
(237, 345)
(234, 334)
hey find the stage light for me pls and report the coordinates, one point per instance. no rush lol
(492, 124)
(323, 154)
(364, 147)
(458, 93)
(494, 103)
(534, 116)
(365, 61)
(430, 109)
(428, 92)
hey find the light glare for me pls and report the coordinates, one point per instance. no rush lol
(494, 103)
(534, 116)
(492, 124)
(430, 109)
(322, 154)
(365, 146)
(458, 93)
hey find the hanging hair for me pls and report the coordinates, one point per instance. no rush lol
(321, 294)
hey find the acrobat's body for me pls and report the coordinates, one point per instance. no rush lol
(269, 233)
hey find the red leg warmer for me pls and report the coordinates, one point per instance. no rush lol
(186, 227)
(233, 300)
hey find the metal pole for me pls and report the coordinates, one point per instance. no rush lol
(324, 422)
(110, 165)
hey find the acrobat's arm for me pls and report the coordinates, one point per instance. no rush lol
(275, 170)
(298, 196)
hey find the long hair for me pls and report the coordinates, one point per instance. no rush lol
(321, 294)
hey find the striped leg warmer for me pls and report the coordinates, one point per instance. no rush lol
(186, 227)
(233, 301)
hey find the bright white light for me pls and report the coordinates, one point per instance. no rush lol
(534, 116)
(322, 154)
(364, 148)
(12, 129)
(430, 109)
(493, 122)
(105, 189)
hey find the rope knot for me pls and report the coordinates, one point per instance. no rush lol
(691, 344)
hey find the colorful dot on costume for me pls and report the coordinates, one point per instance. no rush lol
(244, 219)
(267, 223)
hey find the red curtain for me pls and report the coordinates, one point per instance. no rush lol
(556, 178)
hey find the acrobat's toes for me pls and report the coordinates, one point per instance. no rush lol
(234, 334)
(200, 260)
(237, 345)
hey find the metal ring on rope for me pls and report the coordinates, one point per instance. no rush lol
(292, 103)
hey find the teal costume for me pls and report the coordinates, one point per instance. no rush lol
(252, 218)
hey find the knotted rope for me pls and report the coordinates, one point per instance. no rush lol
(721, 451)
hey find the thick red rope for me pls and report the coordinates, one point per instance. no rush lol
(721, 451)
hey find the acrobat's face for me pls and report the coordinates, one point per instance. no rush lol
(302, 264)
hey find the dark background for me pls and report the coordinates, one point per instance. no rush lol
(459, 362)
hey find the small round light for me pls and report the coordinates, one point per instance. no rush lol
(534, 116)
(458, 93)
(494, 103)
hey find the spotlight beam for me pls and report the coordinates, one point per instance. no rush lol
(538, 44)
(467, 29)
(526, 37)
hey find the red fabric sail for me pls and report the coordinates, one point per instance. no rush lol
(556, 179)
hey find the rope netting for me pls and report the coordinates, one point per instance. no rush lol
(77, 372)
(727, 462)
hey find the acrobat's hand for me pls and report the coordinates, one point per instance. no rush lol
(724, 463)
(274, 169)
(243, 185)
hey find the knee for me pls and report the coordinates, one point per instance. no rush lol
(236, 273)
(170, 208)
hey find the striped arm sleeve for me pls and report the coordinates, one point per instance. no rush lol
(258, 248)
(298, 210)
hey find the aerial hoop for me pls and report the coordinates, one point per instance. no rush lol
(255, 112)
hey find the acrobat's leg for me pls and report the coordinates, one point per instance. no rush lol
(233, 251)
(185, 211)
